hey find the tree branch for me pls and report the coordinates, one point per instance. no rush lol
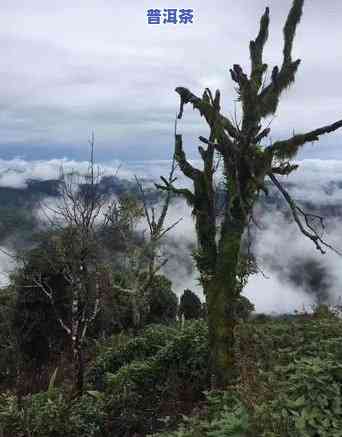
(188, 170)
(269, 97)
(284, 169)
(298, 214)
(185, 192)
(256, 49)
(206, 109)
(263, 134)
(287, 149)
(290, 27)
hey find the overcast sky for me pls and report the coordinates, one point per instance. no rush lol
(68, 67)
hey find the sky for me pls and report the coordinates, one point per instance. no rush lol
(68, 68)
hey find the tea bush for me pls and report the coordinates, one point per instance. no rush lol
(49, 414)
(308, 402)
(111, 358)
(141, 392)
(226, 416)
(290, 386)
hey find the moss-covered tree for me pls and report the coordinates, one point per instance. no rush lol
(247, 165)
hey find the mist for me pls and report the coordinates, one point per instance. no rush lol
(294, 274)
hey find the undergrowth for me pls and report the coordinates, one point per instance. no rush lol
(290, 386)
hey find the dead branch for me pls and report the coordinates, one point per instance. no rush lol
(299, 215)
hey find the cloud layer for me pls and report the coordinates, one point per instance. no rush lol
(297, 274)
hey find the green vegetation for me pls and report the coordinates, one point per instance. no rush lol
(290, 379)
(8, 346)
(190, 306)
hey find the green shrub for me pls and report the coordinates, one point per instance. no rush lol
(11, 419)
(41, 415)
(308, 401)
(290, 386)
(225, 416)
(163, 370)
(87, 417)
(48, 414)
(112, 358)
(133, 398)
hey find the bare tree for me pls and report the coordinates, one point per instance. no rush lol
(247, 166)
(143, 261)
(82, 205)
(156, 224)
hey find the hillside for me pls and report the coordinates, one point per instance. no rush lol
(290, 386)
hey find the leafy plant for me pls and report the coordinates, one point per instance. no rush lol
(163, 369)
(226, 417)
(49, 414)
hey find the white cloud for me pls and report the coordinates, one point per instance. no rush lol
(280, 247)
(271, 295)
(15, 173)
(7, 265)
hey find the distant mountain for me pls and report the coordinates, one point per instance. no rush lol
(19, 220)
(19, 206)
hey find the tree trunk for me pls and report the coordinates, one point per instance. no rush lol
(78, 371)
(221, 296)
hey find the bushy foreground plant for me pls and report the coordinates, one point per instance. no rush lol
(163, 370)
(308, 402)
(290, 386)
(49, 414)
(124, 350)
(225, 416)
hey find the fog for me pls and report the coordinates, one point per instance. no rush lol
(295, 275)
